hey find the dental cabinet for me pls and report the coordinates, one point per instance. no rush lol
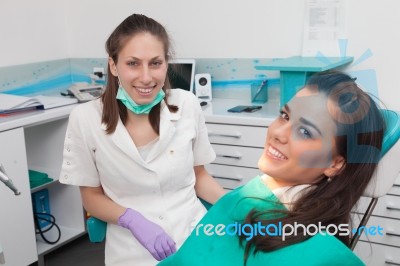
(238, 140)
(35, 141)
(380, 250)
(17, 232)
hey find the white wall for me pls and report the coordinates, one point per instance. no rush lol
(31, 31)
(200, 29)
(246, 29)
(375, 25)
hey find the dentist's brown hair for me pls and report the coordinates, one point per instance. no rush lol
(130, 27)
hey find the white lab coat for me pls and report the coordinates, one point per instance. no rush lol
(161, 187)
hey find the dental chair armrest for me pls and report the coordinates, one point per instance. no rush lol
(96, 229)
(206, 204)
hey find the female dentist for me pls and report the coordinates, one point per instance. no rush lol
(138, 152)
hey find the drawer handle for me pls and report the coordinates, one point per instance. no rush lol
(238, 179)
(236, 135)
(392, 233)
(391, 207)
(238, 157)
(391, 262)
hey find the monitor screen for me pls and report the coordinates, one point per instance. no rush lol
(181, 74)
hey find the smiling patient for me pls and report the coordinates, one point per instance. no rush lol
(319, 156)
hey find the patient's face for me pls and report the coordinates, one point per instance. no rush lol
(300, 143)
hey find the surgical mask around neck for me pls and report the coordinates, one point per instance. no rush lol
(124, 97)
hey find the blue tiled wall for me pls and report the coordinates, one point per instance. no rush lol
(29, 78)
(231, 78)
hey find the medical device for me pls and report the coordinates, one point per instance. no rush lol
(44, 220)
(181, 73)
(7, 181)
(86, 92)
(203, 87)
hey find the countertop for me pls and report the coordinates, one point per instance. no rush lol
(214, 112)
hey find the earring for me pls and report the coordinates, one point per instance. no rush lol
(329, 179)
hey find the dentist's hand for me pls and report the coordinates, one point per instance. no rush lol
(149, 234)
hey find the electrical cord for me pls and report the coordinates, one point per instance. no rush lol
(52, 222)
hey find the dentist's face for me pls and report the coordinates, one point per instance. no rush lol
(300, 144)
(141, 67)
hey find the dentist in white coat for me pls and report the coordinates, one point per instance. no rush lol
(138, 152)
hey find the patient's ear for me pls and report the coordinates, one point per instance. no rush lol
(336, 166)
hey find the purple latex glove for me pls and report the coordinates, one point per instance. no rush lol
(149, 234)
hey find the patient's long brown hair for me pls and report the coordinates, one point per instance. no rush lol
(359, 140)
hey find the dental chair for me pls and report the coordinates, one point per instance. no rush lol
(387, 171)
(382, 181)
(97, 228)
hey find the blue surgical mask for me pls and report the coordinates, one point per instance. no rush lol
(124, 97)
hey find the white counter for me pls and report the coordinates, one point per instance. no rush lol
(216, 112)
(34, 117)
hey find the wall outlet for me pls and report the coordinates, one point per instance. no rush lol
(99, 72)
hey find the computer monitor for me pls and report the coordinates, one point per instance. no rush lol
(181, 74)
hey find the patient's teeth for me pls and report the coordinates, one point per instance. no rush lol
(276, 153)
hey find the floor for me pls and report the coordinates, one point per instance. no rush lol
(80, 252)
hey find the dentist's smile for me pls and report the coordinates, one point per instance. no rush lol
(145, 91)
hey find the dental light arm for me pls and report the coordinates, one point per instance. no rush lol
(7, 181)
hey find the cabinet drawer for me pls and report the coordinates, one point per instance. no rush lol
(377, 255)
(397, 181)
(395, 190)
(237, 135)
(388, 206)
(237, 156)
(391, 231)
(230, 177)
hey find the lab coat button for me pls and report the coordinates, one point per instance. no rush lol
(160, 217)
(171, 152)
(66, 176)
(68, 163)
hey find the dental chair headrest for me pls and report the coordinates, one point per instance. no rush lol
(389, 167)
(392, 132)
